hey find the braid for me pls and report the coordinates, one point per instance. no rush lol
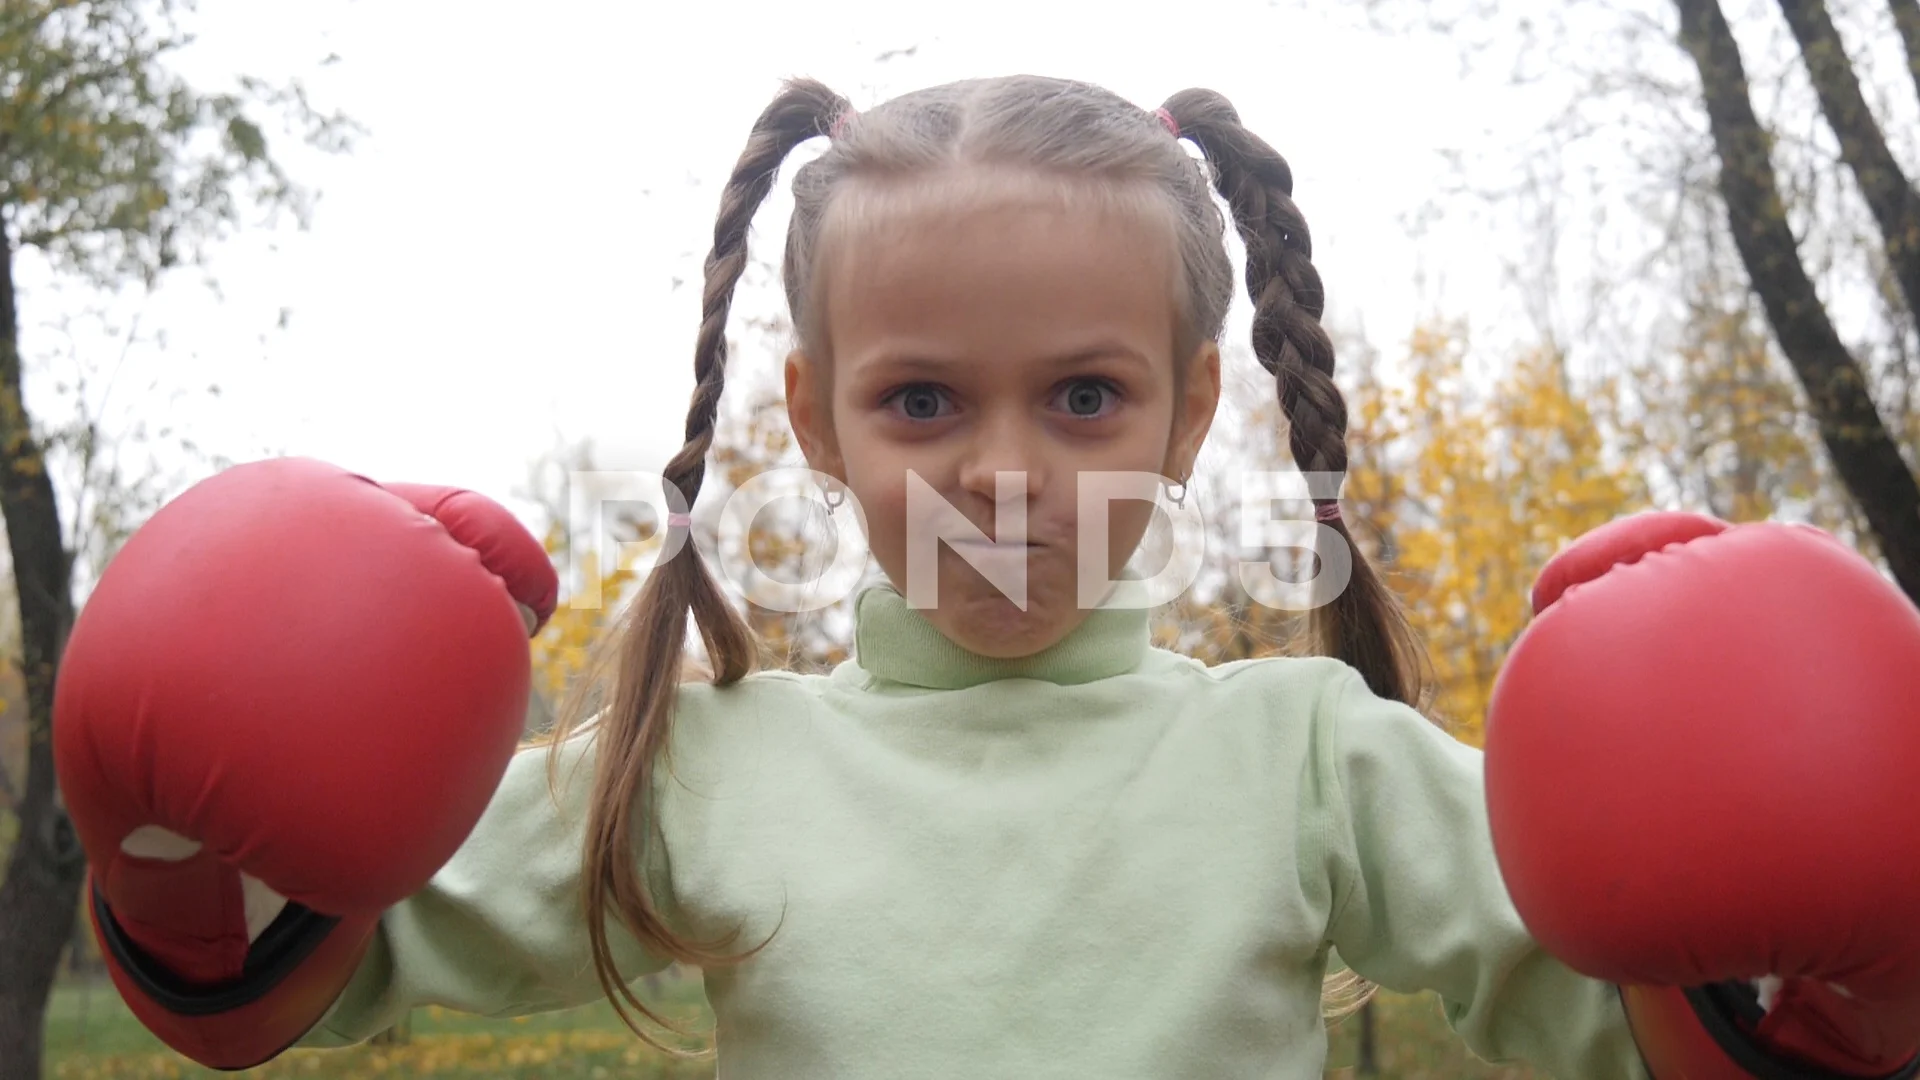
(648, 661)
(1364, 625)
(803, 110)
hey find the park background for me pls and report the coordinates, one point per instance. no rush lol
(1582, 259)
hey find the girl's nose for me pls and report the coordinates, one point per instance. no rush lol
(1005, 444)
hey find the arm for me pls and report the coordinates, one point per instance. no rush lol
(500, 929)
(1419, 902)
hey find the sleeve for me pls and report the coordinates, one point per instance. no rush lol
(499, 931)
(1419, 902)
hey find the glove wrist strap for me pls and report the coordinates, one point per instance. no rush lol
(1706, 1033)
(282, 947)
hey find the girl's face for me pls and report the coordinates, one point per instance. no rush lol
(1018, 335)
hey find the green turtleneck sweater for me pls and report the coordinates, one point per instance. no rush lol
(1107, 860)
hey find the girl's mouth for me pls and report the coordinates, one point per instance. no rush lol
(994, 545)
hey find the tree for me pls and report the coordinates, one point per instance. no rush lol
(1694, 176)
(113, 170)
(1469, 470)
(1723, 425)
(1838, 389)
(1498, 478)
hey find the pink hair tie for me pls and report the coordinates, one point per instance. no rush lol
(1328, 512)
(679, 521)
(840, 123)
(1167, 121)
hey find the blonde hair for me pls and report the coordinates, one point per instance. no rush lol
(1090, 140)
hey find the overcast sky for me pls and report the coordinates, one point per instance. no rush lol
(493, 268)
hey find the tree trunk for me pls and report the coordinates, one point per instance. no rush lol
(41, 893)
(1864, 454)
(8, 793)
(1367, 1060)
(1889, 194)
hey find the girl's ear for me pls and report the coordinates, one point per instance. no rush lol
(811, 417)
(1193, 413)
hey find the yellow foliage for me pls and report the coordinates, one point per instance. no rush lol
(1505, 485)
(1471, 490)
(562, 648)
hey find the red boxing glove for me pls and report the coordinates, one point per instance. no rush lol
(1700, 769)
(283, 708)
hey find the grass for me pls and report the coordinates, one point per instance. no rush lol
(91, 1036)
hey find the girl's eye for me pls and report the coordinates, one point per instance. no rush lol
(1083, 398)
(918, 402)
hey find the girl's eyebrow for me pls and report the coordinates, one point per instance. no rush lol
(897, 364)
(1105, 350)
(914, 363)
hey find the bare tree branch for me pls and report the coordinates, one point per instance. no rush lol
(1889, 194)
(1864, 454)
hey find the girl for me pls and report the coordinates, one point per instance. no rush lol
(1002, 842)
(1004, 839)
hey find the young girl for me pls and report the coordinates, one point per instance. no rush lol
(1003, 840)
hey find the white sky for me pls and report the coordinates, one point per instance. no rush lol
(491, 270)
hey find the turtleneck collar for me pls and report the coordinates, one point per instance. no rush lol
(895, 642)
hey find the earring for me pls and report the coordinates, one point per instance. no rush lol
(1179, 500)
(834, 497)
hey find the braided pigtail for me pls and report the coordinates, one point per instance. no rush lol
(1364, 624)
(637, 681)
